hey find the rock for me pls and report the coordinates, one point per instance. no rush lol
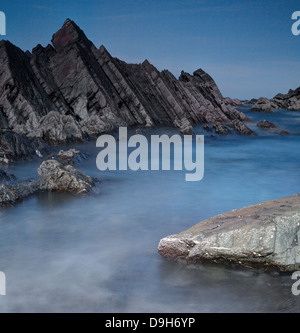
(59, 129)
(5, 177)
(233, 102)
(265, 124)
(14, 146)
(241, 128)
(10, 194)
(251, 101)
(70, 157)
(265, 235)
(290, 101)
(284, 133)
(263, 104)
(207, 127)
(54, 176)
(72, 91)
(221, 129)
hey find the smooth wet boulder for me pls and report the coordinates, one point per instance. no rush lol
(265, 235)
(54, 176)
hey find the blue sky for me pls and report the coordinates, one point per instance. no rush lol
(246, 46)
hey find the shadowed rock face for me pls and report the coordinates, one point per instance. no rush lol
(70, 90)
(265, 235)
(15, 146)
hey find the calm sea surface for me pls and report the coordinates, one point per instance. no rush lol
(98, 253)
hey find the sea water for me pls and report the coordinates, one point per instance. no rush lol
(98, 253)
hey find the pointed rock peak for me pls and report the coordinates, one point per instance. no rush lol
(146, 63)
(103, 49)
(200, 73)
(148, 66)
(39, 48)
(69, 33)
(184, 77)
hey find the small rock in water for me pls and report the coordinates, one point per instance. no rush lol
(265, 124)
(54, 176)
(70, 157)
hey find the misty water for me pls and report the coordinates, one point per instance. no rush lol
(98, 253)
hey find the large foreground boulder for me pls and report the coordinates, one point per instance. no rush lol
(265, 235)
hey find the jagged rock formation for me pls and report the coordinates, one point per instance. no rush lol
(70, 90)
(265, 235)
(53, 176)
(290, 101)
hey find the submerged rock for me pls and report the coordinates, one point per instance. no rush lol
(265, 235)
(265, 124)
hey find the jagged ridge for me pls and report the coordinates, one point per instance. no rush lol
(71, 90)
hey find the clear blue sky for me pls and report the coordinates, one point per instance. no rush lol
(247, 46)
